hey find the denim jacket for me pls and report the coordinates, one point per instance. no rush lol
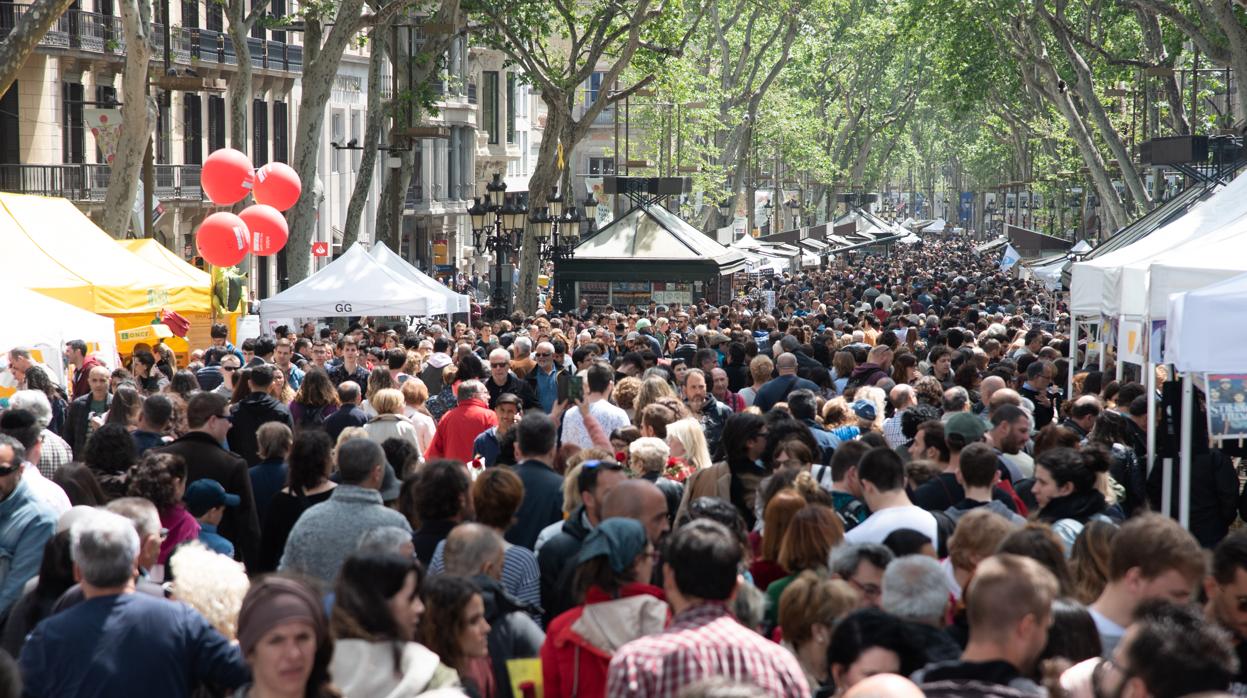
(26, 524)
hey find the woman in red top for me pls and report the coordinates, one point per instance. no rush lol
(619, 606)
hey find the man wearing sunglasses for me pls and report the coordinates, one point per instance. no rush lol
(26, 524)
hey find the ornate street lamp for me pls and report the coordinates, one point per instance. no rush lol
(558, 231)
(496, 226)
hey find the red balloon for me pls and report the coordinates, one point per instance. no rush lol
(222, 239)
(227, 176)
(278, 185)
(268, 229)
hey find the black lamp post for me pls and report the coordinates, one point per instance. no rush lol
(499, 234)
(558, 231)
(794, 208)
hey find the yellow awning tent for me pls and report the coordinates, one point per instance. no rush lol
(166, 259)
(52, 247)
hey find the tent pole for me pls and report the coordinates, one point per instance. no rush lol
(1073, 354)
(1102, 340)
(1121, 365)
(1184, 454)
(1149, 382)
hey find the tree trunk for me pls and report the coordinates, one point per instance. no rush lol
(1236, 39)
(28, 32)
(540, 185)
(135, 119)
(320, 65)
(372, 138)
(397, 181)
(1154, 42)
(240, 84)
(1086, 92)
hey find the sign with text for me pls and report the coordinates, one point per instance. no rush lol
(1227, 405)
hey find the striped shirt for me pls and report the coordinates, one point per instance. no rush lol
(520, 575)
(701, 643)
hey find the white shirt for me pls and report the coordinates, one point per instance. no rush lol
(45, 490)
(882, 523)
(1110, 632)
(606, 414)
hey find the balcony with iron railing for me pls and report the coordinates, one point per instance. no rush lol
(89, 182)
(96, 33)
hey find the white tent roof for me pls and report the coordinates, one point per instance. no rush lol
(32, 319)
(653, 233)
(1207, 328)
(1210, 258)
(936, 226)
(907, 222)
(1100, 286)
(354, 284)
(455, 302)
(1080, 247)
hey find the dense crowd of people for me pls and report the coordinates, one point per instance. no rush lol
(865, 480)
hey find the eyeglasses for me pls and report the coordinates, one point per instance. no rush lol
(10, 469)
(870, 591)
(542, 355)
(494, 365)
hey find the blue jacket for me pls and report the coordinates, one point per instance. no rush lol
(487, 447)
(827, 441)
(215, 541)
(267, 479)
(126, 645)
(26, 524)
(542, 504)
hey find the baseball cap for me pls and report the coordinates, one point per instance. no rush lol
(967, 426)
(206, 494)
(508, 397)
(642, 323)
(864, 409)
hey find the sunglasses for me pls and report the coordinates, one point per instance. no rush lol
(231, 369)
(492, 365)
(10, 469)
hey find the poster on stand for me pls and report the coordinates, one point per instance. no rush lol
(1227, 405)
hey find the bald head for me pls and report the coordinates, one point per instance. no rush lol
(989, 386)
(902, 396)
(786, 363)
(884, 686)
(473, 549)
(640, 500)
(1003, 396)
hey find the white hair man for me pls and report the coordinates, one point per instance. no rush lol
(502, 381)
(54, 451)
(915, 590)
(902, 397)
(461, 425)
(94, 645)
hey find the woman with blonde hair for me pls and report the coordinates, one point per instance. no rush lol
(415, 395)
(280, 387)
(688, 442)
(390, 422)
(378, 380)
(651, 390)
(760, 370)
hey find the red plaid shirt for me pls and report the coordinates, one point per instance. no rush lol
(703, 642)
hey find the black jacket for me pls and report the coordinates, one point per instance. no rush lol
(206, 459)
(513, 634)
(516, 387)
(248, 415)
(557, 561)
(542, 504)
(345, 416)
(1214, 495)
(77, 427)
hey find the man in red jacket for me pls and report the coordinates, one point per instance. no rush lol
(459, 427)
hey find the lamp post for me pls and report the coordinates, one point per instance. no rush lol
(500, 234)
(558, 231)
(794, 209)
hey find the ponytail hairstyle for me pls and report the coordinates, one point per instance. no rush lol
(1079, 467)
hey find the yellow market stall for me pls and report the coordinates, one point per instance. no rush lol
(56, 250)
(161, 256)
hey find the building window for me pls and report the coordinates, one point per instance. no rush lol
(336, 130)
(216, 123)
(277, 8)
(190, 13)
(259, 146)
(257, 29)
(192, 126)
(489, 104)
(281, 133)
(10, 144)
(214, 17)
(521, 102)
(105, 96)
(163, 136)
(512, 98)
(452, 164)
(601, 166)
(595, 88)
(73, 136)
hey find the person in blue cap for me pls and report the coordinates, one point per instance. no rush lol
(206, 500)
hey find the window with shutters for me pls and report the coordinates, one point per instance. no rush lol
(192, 129)
(489, 104)
(259, 142)
(73, 135)
(512, 97)
(190, 13)
(216, 123)
(281, 133)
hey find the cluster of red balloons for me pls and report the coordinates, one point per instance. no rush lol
(224, 239)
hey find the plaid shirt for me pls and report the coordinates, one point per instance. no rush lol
(55, 453)
(892, 430)
(701, 643)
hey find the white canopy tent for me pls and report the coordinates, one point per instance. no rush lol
(354, 284)
(455, 302)
(1207, 328)
(1205, 333)
(40, 322)
(1081, 247)
(936, 226)
(1209, 259)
